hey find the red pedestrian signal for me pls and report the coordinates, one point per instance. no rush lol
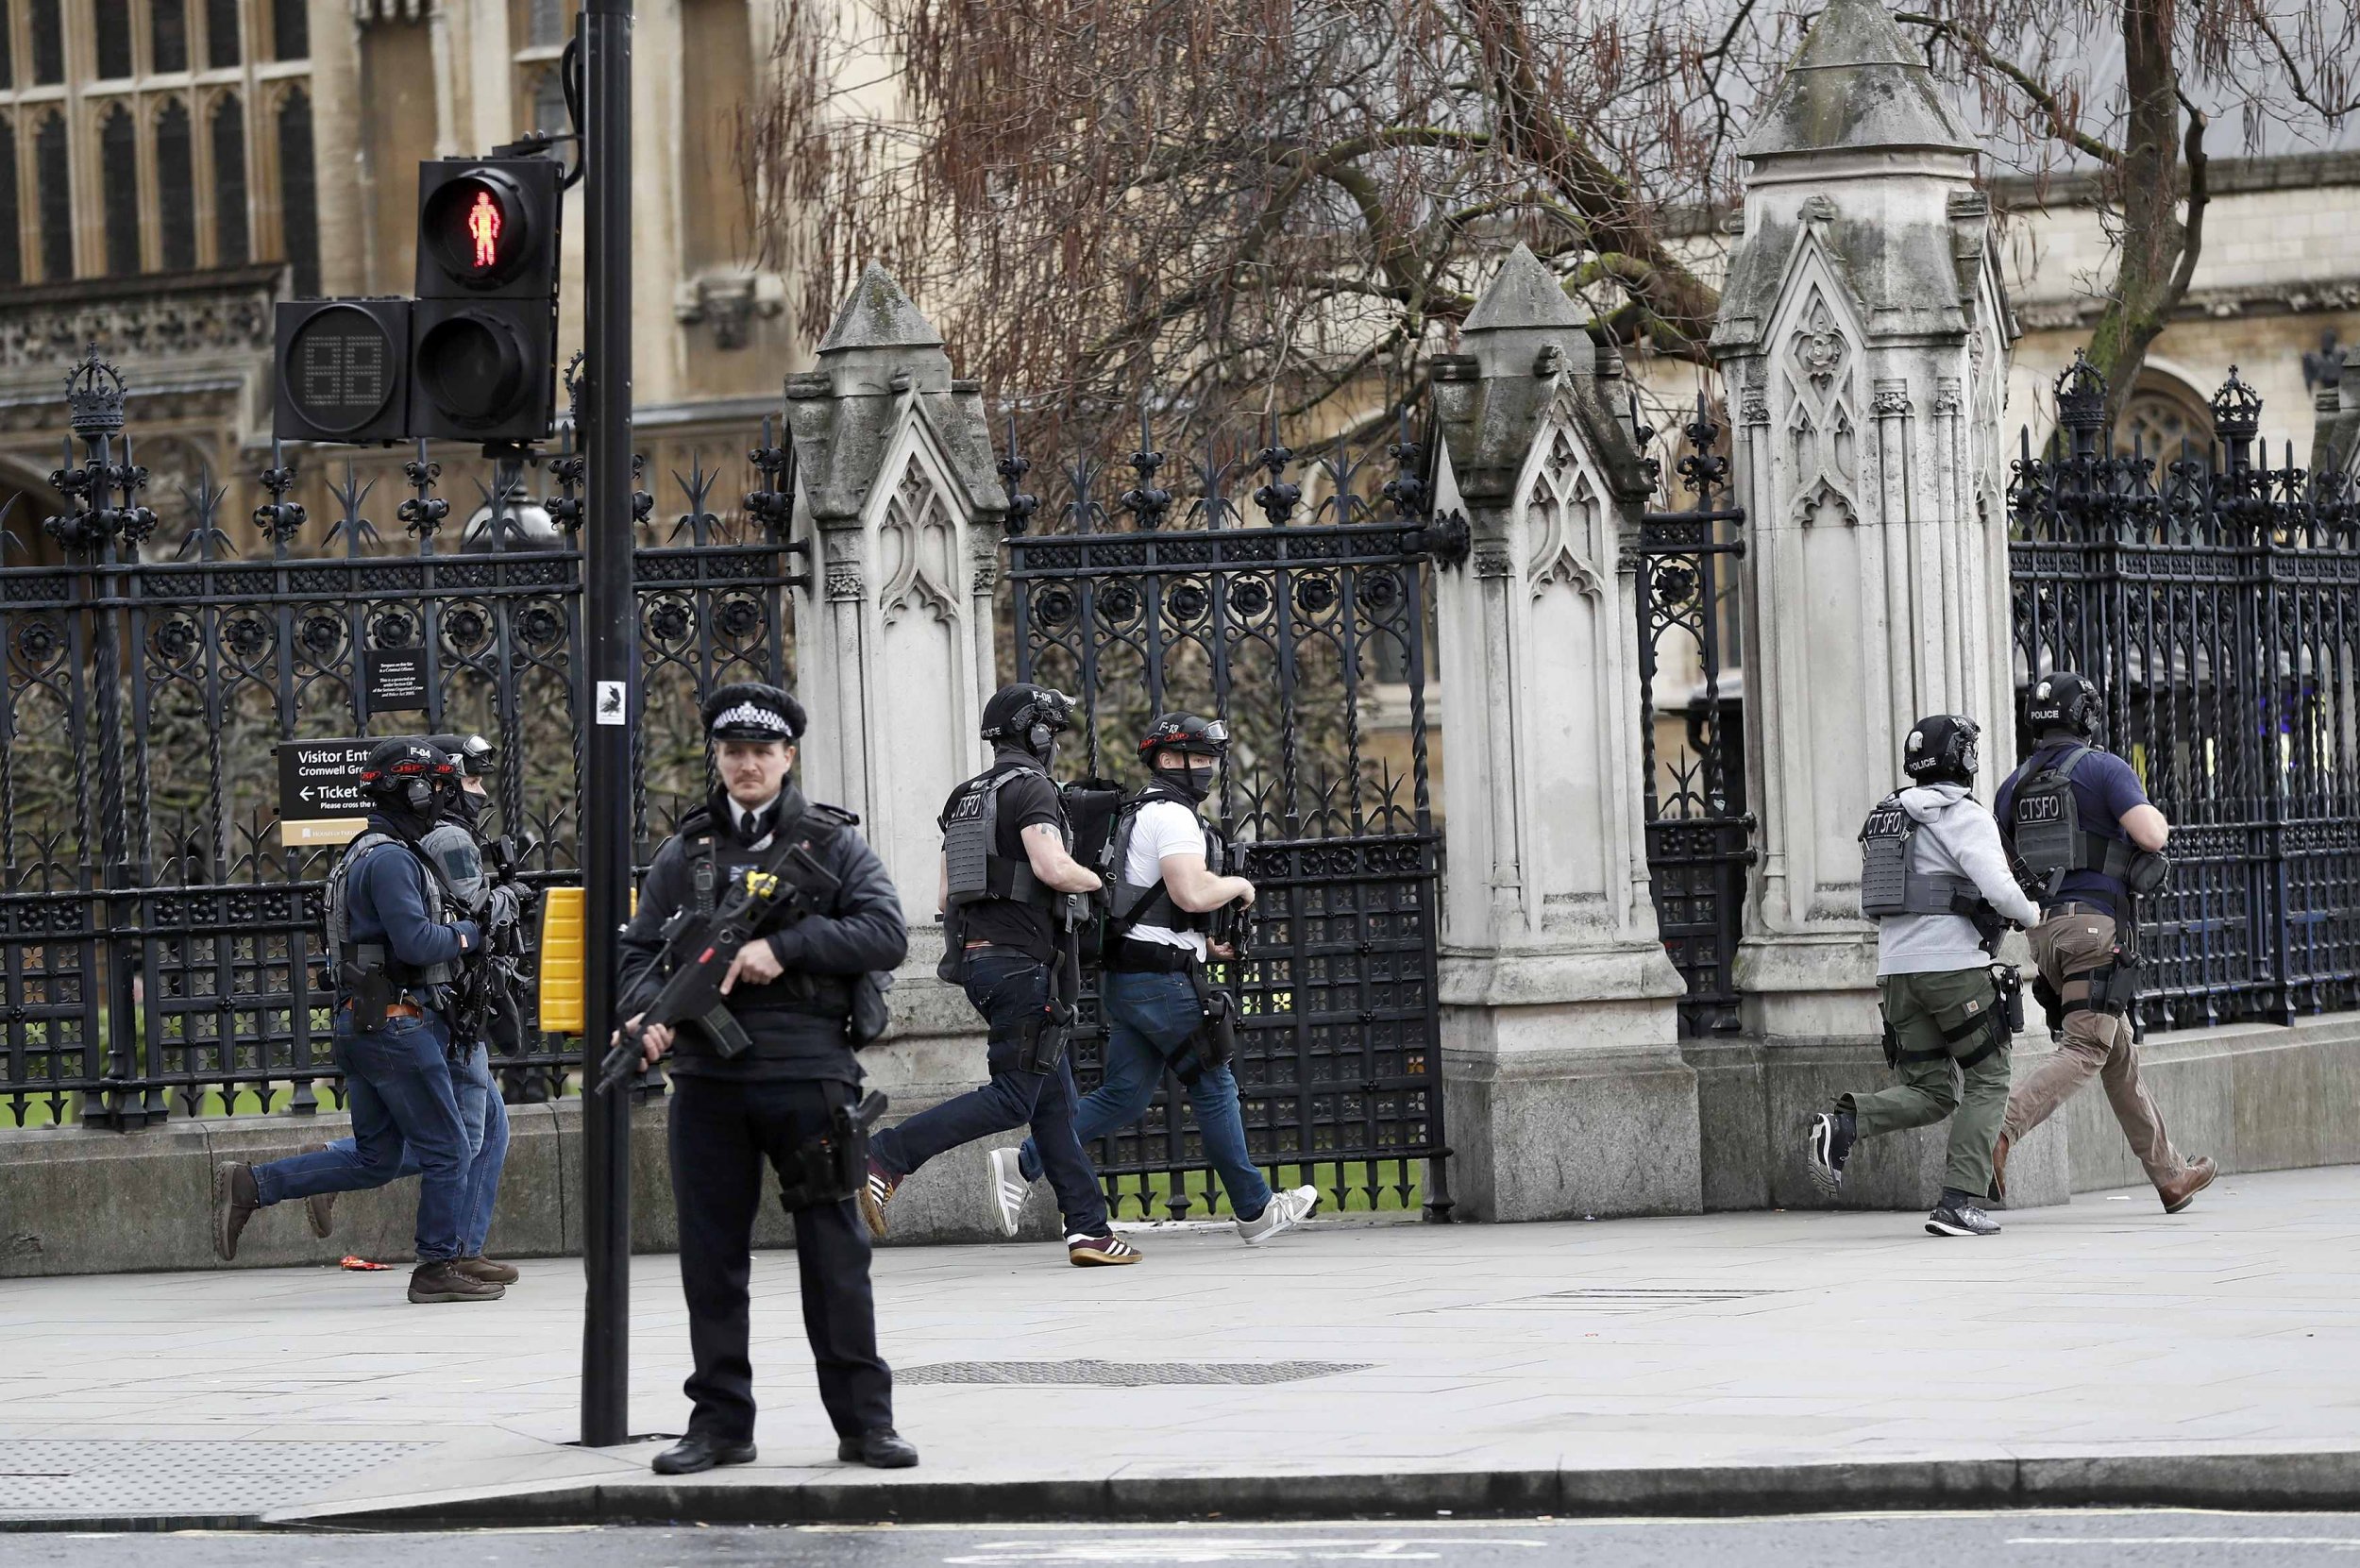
(483, 227)
(483, 337)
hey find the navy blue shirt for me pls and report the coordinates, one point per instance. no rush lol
(2104, 787)
(390, 899)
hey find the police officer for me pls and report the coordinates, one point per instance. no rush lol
(791, 991)
(454, 847)
(2088, 838)
(1007, 865)
(1154, 995)
(398, 938)
(1935, 879)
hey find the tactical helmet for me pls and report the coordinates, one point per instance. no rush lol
(475, 755)
(1941, 750)
(1185, 734)
(2064, 700)
(751, 709)
(1027, 716)
(405, 774)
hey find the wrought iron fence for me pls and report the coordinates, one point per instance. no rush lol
(1699, 833)
(1309, 633)
(2216, 600)
(157, 940)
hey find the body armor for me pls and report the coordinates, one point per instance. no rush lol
(1134, 903)
(2045, 827)
(356, 959)
(456, 856)
(1892, 882)
(971, 848)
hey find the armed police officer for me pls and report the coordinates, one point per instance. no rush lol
(2088, 840)
(1935, 879)
(1007, 874)
(1161, 1012)
(484, 1013)
(783, 1084)
(398, 938)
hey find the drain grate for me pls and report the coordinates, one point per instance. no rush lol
(1123, 1375)
(1607, 1302)
(42, 1477)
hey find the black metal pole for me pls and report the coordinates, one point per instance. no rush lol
(610, 648)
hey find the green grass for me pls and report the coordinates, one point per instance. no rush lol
(1349, 1189)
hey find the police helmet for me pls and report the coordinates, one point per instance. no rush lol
(475, 755)
(405, 774)
(1185, 733)
(1941, 750)
(1027, 716)
(751, 709)
(2064, 700)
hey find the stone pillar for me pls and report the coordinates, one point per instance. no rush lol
(893, 648)
(1564, 1093)
(1863, 339)
(2336, 436)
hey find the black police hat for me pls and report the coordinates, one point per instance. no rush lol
(1016, 710)
(750, 710)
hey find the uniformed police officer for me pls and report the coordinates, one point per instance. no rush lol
(1935, 879)
(1007, 865)
(398, 938)
(791, 991)
(454, 847)
(2081, 823)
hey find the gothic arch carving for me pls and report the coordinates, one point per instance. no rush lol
(1565, 510)
(1817, 365)
(917, 549)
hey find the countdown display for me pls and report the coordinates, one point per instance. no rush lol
(341, 366)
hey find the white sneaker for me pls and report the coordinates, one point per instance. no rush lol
(1285, 1210)
(1008, 1187)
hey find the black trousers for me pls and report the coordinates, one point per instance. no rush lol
(721, 1133)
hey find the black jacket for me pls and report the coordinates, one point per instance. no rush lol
(797, 1022)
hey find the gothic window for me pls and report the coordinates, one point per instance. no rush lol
(298, 203)
(230, 244)
(110, 30)
(119, 189)
(290, 30)
(175, 187)
(56, 196)
(545, 24)
(11, 255)
(220, 33)
(2166, 421)
(168, 34)
(48, 43)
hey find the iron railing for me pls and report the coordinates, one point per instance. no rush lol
(2216, 600)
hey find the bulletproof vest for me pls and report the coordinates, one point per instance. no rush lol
(444, 910)
(455, 853)
(2045, 827)
(970, 847)
(1134, 903)
(1893, 882)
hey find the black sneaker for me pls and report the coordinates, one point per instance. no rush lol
(1957, 1215)
(1828, 1145)
(443, 1280)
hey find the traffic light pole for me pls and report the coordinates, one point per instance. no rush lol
(610, 654)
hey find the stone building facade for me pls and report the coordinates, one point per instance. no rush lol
(170, 168)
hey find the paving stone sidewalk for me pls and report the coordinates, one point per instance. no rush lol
(1390, 1362)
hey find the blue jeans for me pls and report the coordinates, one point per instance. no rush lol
(1009, 989)
(486, 1118)
(1149, 1020)
(399, 1085)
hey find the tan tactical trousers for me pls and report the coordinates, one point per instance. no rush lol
(2067, 947)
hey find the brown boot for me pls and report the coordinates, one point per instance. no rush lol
(2181, 1191)
(320, 1208)
(444, 1280)
(482, 1268)
(1999, 1170)
(234, 1203)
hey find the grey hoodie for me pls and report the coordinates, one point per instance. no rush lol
(1956, 837)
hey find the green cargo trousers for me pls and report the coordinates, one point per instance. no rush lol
(1921, 1009)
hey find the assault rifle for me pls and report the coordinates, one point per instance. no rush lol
(698, 950)
(1232, 925)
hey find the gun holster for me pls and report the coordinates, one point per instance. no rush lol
(2051, 1004)
(372, 991)
(2011, 983)
(2113, 989)
(1891, 1043)
(1041, 1041)
(1215, 1041)
(830, 1166)
(952, 970)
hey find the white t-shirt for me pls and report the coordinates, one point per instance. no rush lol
(1162, 828)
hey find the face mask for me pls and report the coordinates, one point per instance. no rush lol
(1197, 780)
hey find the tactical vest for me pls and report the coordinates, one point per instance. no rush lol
(1890, 880)
(457, 856)
(2044, 828)
(821, 995)
(349, 953)
(1134, 903)
(970, 847)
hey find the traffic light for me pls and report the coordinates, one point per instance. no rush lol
(343, 370)
(483, 331)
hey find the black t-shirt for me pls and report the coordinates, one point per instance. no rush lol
(1026, 800)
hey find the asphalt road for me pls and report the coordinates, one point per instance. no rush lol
(2075, 1539)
